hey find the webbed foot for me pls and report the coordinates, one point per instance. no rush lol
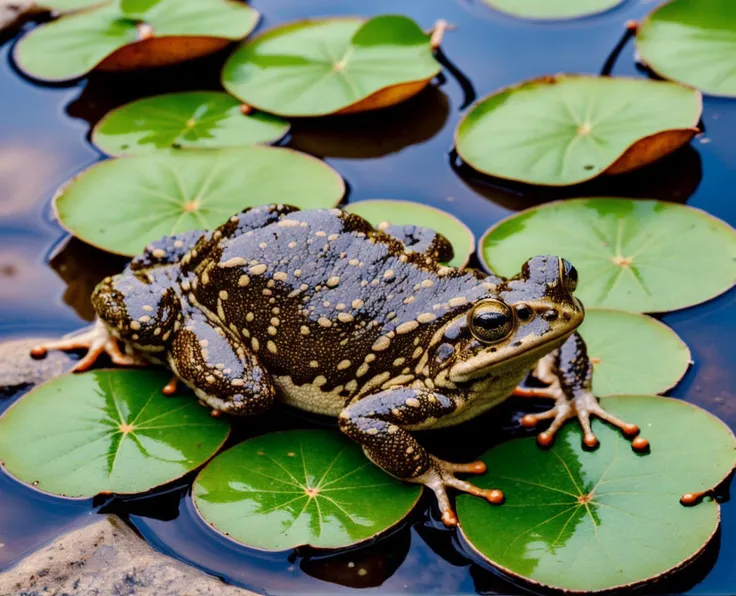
(441, 474)
(96, 340)
(582, 406)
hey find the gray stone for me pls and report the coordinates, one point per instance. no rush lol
(19, 370)
(107, 558)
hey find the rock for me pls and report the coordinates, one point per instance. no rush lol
(18, 370)
(104, 558)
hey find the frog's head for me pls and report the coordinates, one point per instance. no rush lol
(517, 322)
(138, 308)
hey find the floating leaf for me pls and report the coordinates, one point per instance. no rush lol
(588, 521)
(693, 42)
(552, 9)
(409, 213)
(106, 431)
(287, 489)
(566, 129)
(327, 66)
(632, 353)
(121, 205)
(61, 6)
(204, 120)
(103, 38)
(636, 255)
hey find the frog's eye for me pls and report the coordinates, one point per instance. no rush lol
(490, 321)
(569, 275)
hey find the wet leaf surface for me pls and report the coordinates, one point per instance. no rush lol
(286, 489)
(588, 521)
(566, 129)
(636, 255)
(552, 9)
(693, 42)
(382, 211)
(632, 353)
(106, 431)
(204, 120)
(323, 66)
(123, 204)
(74, 45)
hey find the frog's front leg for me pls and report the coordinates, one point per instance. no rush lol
(379, 423)
(96, 340)
(220, 370)
(568, 373)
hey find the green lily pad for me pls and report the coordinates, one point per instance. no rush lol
(379, 211)
(121, 205)
(693, 42)
(566, 129)
(632, 353)
(205, 120)
(106, 431)
(586, 521)
(636, 255)
(172, 31)
(287, 489)
(324, 66)
(552, 9)
(62, 6)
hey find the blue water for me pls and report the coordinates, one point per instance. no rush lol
(403, 153)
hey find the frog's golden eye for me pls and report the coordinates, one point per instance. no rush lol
(490, 321)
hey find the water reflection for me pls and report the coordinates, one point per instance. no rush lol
(674, 178)
(374, 134)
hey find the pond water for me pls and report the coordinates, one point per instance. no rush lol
(402, 153)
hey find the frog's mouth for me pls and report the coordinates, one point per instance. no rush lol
(522, 349)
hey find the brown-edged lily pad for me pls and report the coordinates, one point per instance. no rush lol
(106, 38)
(566, 129)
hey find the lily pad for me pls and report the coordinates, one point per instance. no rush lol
(586, 521)
(123, 204)
(552, 9)
(62, 6)
(566, 129)
(632, 353)
(106, 431)
(635, 255)
(172, 31)
(380, 211)
(326, 66)
(287, 489)
(204, 120)
(693, 42)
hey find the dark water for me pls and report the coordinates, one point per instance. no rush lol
(402, 153)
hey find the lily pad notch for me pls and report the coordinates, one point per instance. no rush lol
(106, 431)
(106, 38)
(318, 67)
(566, 129)
(293, 488)
(190, 119)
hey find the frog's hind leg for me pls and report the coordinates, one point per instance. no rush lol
(380, 424)
(422, 240)
(568, 373)
(225, 374)
(96, 340)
